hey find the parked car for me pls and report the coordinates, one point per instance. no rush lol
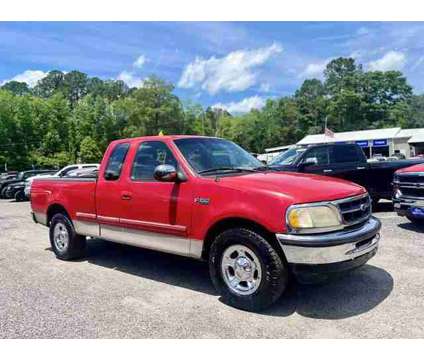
(61, 173)
(22, 176)
(345, 161)
(408, 193)
(209, 199)
(16, 190)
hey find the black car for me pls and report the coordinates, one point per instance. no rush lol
(346, 161)
(22, 176)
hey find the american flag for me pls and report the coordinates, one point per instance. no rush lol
(328, 132)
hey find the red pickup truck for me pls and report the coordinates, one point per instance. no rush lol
(408, 194)
(209, 199)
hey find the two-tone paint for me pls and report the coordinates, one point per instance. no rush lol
(178, 217)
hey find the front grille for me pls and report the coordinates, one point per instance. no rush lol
(412, 191)
(410, 178)
(355, 210)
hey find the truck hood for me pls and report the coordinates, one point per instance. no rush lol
(414, 168)
(296, 187)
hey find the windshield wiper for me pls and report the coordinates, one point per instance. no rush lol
(238, 169)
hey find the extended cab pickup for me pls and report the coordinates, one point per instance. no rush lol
(209, 199)
(345, 161)
(408, 193)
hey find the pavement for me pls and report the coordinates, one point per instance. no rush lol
(119, 291)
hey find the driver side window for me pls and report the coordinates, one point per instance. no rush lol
(320, 154)
(151, 154)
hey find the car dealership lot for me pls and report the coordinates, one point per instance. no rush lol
(121, 291)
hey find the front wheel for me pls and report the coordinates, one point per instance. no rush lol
(246, 270)
(65, 242)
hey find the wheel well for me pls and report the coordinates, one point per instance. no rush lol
(56, 209)
(231, 223)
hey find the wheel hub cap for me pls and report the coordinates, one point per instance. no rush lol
(241, 269)
(61, 237)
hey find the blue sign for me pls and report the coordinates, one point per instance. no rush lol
(381, 142)
(362, 143)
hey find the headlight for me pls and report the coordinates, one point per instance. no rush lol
(309, 219)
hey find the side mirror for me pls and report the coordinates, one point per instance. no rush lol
(166, 173)
(111, 175)
(310, 162)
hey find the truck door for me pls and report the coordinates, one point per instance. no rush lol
(157, 214)
(316, 161)
(347, 163)
(108, 191)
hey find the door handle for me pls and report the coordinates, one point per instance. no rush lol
(126, 196)
(360, 168)
(328, 170)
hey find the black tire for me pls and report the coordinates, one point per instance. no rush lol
(75, 247)
(374, 202)
(417, 221)
(20, 196)
(273, 268)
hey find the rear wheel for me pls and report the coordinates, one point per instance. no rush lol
(65, 242)
(246, 270)
(20, 196)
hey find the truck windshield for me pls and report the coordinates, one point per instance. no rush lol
(288, 157)
(209, 155)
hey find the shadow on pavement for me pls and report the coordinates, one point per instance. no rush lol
(419, 228)
(351, 294)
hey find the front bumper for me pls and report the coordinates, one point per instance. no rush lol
(331, 252)
(403, 205)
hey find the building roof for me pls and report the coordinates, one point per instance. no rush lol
(351, 136)
(278, 148)
(417, 137)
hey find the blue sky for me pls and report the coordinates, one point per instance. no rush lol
(235, 65)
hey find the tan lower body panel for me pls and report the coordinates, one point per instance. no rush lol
(145, 239)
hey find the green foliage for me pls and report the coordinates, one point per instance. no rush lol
(70, 117)
(89, 151)
(16, 87)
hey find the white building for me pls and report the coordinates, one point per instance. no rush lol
(386, 142)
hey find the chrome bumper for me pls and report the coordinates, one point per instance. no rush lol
(331, 248)
(407, 202)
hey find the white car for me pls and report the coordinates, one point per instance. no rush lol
(62, 172)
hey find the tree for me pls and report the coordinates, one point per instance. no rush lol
(50, 84)
(153, 108)
(342, 74)
(89, 151)
(75, 86)
(312, 103)
(16, 87)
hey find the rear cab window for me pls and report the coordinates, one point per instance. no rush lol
(116, 161)
(345, 154)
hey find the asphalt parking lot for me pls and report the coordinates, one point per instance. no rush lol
(119, 291)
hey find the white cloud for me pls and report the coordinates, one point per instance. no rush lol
(233, 72)
(265, 87)
(131, 79)
(392, 60)
(141, 60)
(243, 106)
(314, 70)
(31, 77)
